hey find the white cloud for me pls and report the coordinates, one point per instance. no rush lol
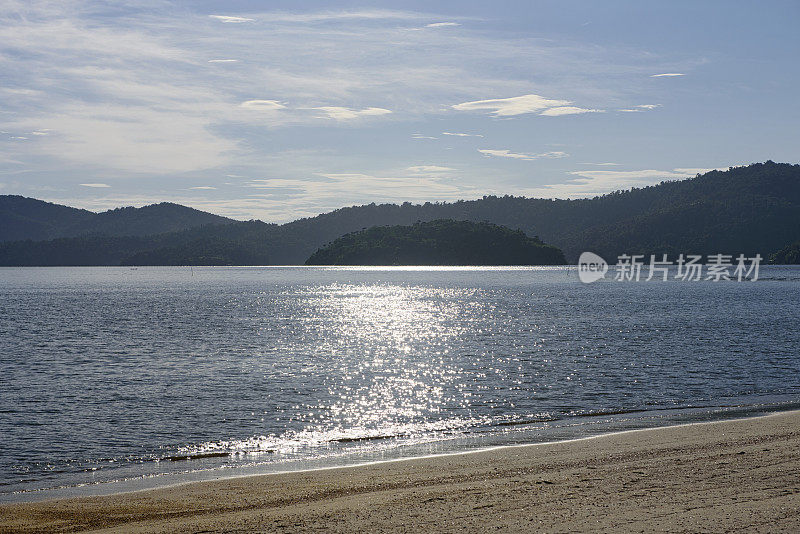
(509, 107)
(386, 188)
(528, 157)
(95, 185)
(667, 74)
(568, 110)
(262, 105)
(134, 94)
(442, 24)
(203, 187)
(429, 169)
(330, 16)
(223, 60)
(602, 164)
(133, 138)
(636, 176)
(341, 113)
(590, 183)
(458, 134)
(229, 19)
(698, 170)
(420, 136)
(640, 108)
(518, 105)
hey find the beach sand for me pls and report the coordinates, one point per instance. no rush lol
(741, 475)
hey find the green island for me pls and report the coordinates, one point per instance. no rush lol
(438, 242)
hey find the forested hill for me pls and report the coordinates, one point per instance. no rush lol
(24, 218)
(439, 242)
(789, 255)
(28, 218)
(752, 209)
(742, 210)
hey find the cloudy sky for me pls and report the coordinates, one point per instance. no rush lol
(283, 109)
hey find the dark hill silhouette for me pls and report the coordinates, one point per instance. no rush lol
(154, 219)
(28, 218)
(439, 242)
(748, 210)
(742, 210)
(24, 218)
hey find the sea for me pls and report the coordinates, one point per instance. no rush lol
(119, 379)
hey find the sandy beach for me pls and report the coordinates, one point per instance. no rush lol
(741, 475)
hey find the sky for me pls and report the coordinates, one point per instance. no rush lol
(280, 110)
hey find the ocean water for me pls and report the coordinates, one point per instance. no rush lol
(114, 379)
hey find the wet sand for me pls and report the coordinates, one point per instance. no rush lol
(739, 475)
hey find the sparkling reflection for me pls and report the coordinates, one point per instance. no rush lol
(111, 373)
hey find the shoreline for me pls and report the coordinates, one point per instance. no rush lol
(149, 482)
(713, 462)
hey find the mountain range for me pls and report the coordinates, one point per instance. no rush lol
(749, 209)
(24, 218)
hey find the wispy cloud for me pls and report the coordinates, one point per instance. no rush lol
(148, 93)
(515, 155)
(640, 108)
(429, 169)
(231, 19)
(95, 185)
(203, 187)
(568, 110)
(263, 105)
(342, 15)
(636, 176)
(458, 134)
(509, 107)
(591, 183)
(420, 136)
(698, 170)
(441, 24)
(519, 105)
(667, 75)
(341, 113)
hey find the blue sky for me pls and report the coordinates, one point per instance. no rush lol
(279, 110)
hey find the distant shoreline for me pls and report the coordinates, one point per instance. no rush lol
(699, 476)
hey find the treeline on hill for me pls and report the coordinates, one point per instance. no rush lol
(748, 210)
(789, 255)
(27, 218)
(239, 243)
(753, 209)
(439, 242)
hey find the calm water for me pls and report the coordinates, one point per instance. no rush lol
(153, 375)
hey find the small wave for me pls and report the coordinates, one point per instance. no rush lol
(368, 438)
(312, 438)
(184, 457)
(533, 421)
